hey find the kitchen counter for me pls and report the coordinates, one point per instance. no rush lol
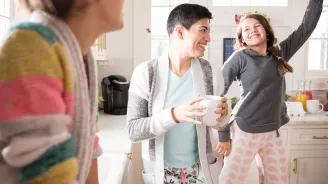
(316, 119)
(112, 134)
(115, 143)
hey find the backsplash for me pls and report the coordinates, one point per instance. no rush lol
(114, 66)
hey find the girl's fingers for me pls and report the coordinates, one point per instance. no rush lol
(227, 153)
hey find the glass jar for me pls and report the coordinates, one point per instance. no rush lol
(308, 90)
(301, 95)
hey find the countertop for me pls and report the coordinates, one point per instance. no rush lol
(114, 141)
(317, 119)
(112, 134)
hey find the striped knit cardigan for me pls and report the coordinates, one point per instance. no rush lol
(48, 104)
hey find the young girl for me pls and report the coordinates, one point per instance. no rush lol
(48, 94)
(260, 67)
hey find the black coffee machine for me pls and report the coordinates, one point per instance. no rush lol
(115, 90)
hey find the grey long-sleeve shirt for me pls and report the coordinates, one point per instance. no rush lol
(261, 107)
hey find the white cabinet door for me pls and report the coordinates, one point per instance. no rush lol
(111, 168)
(125, 179)
(142, 32)
(309, 167)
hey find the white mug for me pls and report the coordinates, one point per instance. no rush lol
(210, 102)
(312, 106)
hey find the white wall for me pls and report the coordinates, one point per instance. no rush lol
(284, 21)
(120, 48)
(128, 47)
(19, 14)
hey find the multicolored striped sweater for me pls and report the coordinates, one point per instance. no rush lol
(37, 111)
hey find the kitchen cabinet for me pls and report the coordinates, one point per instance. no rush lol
(117, 154)
(112, 168)
(306, 140)
(309, 166)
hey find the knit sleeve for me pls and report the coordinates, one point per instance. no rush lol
(36, 108)
(288, 47)
(230, 70)
(140, 125)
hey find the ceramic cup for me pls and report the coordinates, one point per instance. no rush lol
(210, 102)
(313, 106)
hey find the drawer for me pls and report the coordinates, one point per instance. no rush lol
(309, 136)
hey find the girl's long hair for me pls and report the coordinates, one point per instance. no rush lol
(283, 66)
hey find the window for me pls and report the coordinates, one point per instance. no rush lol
(227, 48)
(318, 43)
(160, 11)
(280, 3)
(5, 14)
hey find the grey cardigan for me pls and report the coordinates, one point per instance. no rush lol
(147, 121)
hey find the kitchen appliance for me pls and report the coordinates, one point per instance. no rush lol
(115, 90)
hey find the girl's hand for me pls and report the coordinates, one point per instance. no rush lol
(224, 148)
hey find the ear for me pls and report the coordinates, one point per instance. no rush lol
(179, 32)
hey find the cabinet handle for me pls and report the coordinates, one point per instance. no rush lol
(129, 155)
(318, 137)
(295, 166)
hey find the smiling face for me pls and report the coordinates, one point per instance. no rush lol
(253, 32)
(196, 38)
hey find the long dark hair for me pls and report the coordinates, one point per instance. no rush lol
(283, 66)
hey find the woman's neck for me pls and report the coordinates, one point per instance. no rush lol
(179, 64)
(86, 31)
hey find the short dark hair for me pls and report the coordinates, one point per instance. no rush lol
(186, 15)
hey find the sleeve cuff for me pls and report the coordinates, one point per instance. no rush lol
(224, 136)
(166, 119)
(162, 122)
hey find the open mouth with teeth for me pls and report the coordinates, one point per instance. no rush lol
(255, 36)
(202, 46)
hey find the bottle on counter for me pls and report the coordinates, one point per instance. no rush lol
(301, 94)
(308, 90)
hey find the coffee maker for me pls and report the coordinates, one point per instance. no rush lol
(115, 90)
